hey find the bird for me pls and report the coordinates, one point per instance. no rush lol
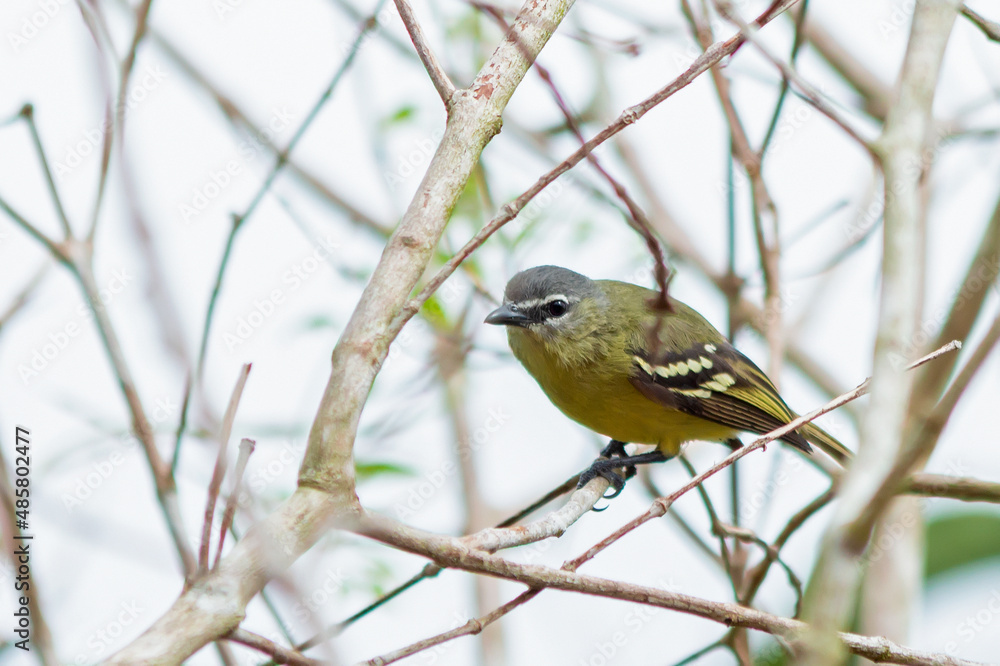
(610, 361)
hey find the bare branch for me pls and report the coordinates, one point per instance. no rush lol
(812, 95)
(452, 553)
(990, 28)
(958, 488)
(219, 472)
(443, 84)
(28, 113)
(928, 428)
(115, 117)
(246, 449)
(57, 250)
(832, 591)
(630, 115)
(875, 93)
(214, 605)
(280, 654)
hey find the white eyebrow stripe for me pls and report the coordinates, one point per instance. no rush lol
(535, 302)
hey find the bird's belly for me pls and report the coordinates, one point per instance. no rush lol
(616, 409)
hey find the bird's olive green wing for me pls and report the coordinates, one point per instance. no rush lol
(715, 382)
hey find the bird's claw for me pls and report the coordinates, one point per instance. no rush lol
(602, 469)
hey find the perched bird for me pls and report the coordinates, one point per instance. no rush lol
(590, 345)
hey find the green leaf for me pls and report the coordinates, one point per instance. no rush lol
(771, 655)
(433, 311)
(318, 321)
(402, 115)
(369, 470)
(957, 540)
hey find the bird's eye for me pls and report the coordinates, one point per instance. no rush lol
(557, 308)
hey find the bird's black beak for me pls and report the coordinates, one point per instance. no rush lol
(506, 316)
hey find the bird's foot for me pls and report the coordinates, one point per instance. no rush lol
(615, 448)
(604, 468)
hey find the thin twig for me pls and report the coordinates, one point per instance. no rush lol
(661, 505)
(757, 574)
(675, 515)
(929, 429)
(716, 526)
(115, 117)
(279, 653)
(24, 295)
(445, 88)
(280, 160)
(57, 250)
(749, 536)
(219, 472)
(246, 448)
(630, 115)
(799, 17)
(762, 204)
(28, 113)
(811, 93)
(473, 626)
(990, 28)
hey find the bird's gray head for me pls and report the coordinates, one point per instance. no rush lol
(546, 300)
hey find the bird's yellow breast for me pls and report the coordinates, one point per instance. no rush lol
(596, 392)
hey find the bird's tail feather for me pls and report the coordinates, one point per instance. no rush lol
(827, 443)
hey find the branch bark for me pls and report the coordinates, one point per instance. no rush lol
(215, 604)
(833, 589)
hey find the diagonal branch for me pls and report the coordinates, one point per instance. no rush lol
(509, 211)
(445, 88)
(990, 28)
(452, 553)
(215, 605)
